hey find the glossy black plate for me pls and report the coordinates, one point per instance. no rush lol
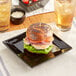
(16, 45)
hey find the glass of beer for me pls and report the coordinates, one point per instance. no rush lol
(64, 10)
(5, 9)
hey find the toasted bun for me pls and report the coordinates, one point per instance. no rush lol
(39, 32)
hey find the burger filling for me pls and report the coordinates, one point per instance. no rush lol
(41, 47)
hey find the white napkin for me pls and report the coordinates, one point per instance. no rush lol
(3, 70)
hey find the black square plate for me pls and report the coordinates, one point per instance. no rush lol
(16, 45)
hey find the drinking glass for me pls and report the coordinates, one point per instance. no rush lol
(5, 7)
(64, 10)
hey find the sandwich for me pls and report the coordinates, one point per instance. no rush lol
(39, 39)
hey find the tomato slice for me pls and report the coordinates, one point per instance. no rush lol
(26, 1)
(47, 40)
(34, 41)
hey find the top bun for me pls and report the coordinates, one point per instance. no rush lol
(39, 32)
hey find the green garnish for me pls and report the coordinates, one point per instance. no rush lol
(30, 48)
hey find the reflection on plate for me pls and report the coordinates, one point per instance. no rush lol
(16, 45)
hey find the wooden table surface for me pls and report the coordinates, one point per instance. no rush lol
(45, 18)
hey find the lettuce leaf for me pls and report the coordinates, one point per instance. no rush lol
(30, 48)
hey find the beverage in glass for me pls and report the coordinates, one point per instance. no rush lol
(5, 7)
(64, 10)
